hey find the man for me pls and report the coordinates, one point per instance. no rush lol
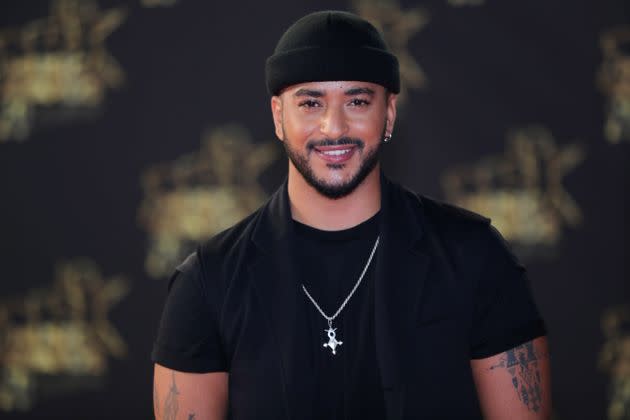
(347, 296)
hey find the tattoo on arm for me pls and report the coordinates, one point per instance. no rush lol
(522, 364)
(191, 416)
(171, 406)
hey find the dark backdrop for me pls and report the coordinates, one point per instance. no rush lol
(131, 130)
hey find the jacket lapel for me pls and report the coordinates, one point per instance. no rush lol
(282, 301)
(401, 271)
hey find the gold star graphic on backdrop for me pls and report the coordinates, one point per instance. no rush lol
(397, 26)
(58, 64)
(614, 359)
(62, 330)
(522, 192)
(614, 80)
(201, 194)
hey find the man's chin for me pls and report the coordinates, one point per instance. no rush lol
(336, 187)
(335, 177)
(334, 180)
(333, 192)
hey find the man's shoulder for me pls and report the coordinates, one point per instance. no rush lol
(217, 255)
(461, 230)
(433, 210)
(449, 223)
(443, 212)
(228, 240)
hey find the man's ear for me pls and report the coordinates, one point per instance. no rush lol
(276, 112)
(391, 113)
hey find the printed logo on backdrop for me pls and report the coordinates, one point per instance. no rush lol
(614, 359)
(57, 340)
(521, 191)
(56, 68)
(201, 194)
(397, 26)
(614, 81)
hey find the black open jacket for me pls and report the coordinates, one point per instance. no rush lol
(447, 289)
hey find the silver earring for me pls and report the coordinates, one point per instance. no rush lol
(387, 138)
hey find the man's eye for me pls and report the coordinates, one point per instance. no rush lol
(359, 102)
(309, 104)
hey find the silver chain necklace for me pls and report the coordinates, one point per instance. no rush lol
(332, 340)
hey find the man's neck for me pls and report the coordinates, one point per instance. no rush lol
(311, 208)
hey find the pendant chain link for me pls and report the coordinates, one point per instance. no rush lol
(330, 319)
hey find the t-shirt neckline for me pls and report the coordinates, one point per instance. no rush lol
(363, 230)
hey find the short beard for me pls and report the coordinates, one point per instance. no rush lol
(334, 192)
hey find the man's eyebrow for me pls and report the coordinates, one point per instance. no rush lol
(309, 92)
(360, 91)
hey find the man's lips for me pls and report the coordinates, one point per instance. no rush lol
(336, 154)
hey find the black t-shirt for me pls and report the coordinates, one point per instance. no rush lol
(329, 263)
(220, 315)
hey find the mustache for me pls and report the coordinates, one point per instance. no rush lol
(312, 144)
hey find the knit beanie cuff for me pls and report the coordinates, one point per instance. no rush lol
(329, 64)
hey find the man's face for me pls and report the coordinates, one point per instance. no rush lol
(332, 131)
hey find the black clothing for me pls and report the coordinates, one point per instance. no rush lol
(329, 265)
(446, 289)
(331, 45)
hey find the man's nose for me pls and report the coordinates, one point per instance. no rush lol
(334, 123)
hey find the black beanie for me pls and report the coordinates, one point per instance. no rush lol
(328, 46)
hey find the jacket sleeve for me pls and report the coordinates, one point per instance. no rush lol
(505, 314)
(188, 338)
